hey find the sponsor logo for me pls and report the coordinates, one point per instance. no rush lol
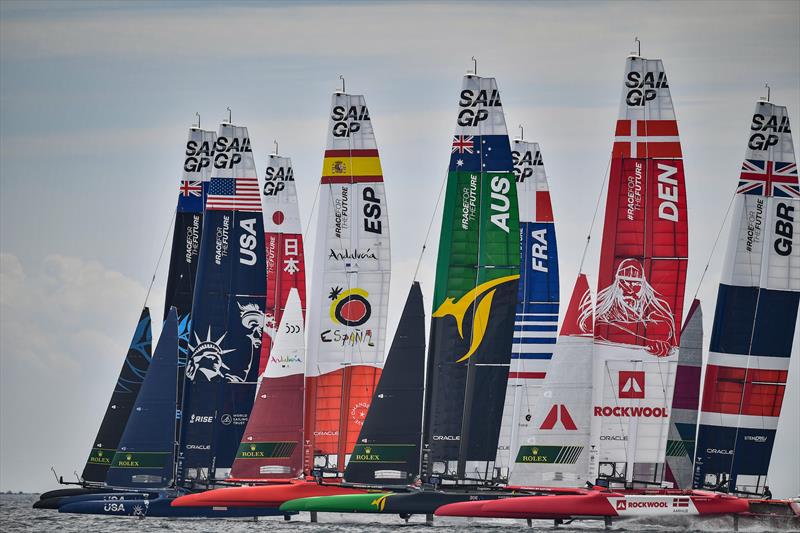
(614, 437)
(622, 505)
(553, 417)
(783, 228)
(200, 447)
(766, 130)
(358, 413)
(473, 102)
(717, 451)
(447, 437)
(630, 302)
(631, 384)
(350, 307)
(756, 438)
(643, 87)
(226, 419)
(347, 121)
(198, 419)
(549, 454)
(248, 242)
(485, 291)
(624, 412)
(326, 433)
(355, 253)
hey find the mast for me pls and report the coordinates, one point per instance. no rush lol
(754, 319)
(475, 294)
(641, 282)
(350, 298)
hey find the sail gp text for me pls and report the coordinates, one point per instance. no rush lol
(351, 337)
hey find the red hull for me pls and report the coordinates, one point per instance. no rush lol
(261, 495)
(595, 503)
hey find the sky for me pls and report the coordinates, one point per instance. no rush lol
(96, 99)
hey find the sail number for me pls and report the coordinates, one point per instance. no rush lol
(784, 228)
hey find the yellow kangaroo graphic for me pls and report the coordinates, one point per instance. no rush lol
(481, 321)
(380, 502)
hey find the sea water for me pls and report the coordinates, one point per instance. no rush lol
(16, 514)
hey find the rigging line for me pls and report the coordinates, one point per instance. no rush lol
(160, 255)
(430, 225)
(714, 247)
(594, 216)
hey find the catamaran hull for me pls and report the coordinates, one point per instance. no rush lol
(600, 505)
(389, 503)
(161, 507)
(270, 496)
(52, 499)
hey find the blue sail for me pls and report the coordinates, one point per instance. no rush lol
(145, 455)
(227, 312)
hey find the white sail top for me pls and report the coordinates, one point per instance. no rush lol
(199, 155)
(288, 351)
(279, 197)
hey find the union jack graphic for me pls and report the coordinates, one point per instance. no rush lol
(462, 143)
(767, 178)
(191, 188)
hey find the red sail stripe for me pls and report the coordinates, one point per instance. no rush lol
(744, 391)
(372, 152)
(526, 375)
(544, 210)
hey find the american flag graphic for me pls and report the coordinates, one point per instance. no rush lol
(234, 194)
(191, 188)
(463, 143)
(647, 138)
(768, 178)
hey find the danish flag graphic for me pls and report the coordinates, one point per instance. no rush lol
(631, 384)
(552, 417)
(647, 138)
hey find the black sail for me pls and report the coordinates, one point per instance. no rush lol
(122, 399)
(388, 445)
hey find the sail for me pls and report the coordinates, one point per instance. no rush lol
(388, 446)
(349, 303)
(685, 401)
(754, 320)
(284, 240)
(146, 452)
(227, 312)
(640, 282)
(185, 252)
(272, 445)
(554, 444)
(122, 399)
(475, 294)
(536, 321)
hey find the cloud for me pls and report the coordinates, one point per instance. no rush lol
(65, 326)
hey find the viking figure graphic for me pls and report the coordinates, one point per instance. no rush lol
(631, 305)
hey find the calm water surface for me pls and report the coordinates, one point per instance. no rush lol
(16, 515)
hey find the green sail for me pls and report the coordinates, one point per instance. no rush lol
(476, 289)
